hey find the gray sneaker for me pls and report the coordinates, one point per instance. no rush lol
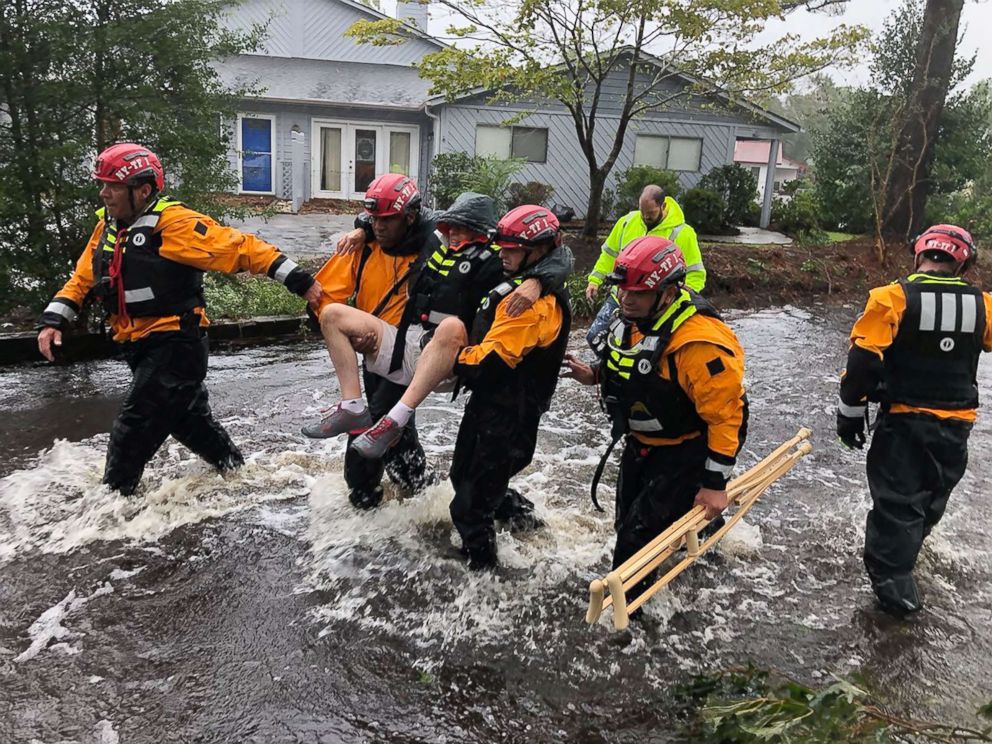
(338, 421)
(372, 445)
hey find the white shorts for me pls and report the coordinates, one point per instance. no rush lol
(379, 364)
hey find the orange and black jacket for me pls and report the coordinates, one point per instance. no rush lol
(149, 274)
(375, 280)
(516, 357)
(916, 346)
(679, 378)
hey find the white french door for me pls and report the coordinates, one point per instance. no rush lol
(346, 155)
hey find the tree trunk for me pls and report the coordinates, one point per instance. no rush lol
(907, 190)
(597, 181)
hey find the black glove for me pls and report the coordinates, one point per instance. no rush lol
(851, 430)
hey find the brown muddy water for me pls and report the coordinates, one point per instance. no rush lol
(263, 608)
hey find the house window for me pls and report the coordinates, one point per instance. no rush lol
(399, 152)
(671, 153)
(684, 154)
(529, 143)
(256, 147)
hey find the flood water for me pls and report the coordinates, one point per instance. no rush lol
(264, 608)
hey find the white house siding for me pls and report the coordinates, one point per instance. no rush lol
(314, 29)
(288, 115)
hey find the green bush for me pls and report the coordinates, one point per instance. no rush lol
(753, 217)
(798, 216)
(738, 187)
(455, 172)
(532, 192)
(610, 210)
(965, 209)
(633, 181)
(448, 170)
(248, 297)
(581, 306)
(704, 210)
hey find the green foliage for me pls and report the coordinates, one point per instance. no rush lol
(76, 77)
(532, 192)
(854, 141)
(968, 209)
(448, 171)
(248, 297)
(738, 187)
(750, 706)
(610, 208)
(453, 173)
(633, 180)
(581, 306)
(704, 210)
(753, 216)
(798, 216)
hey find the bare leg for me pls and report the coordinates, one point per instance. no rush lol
(437, 361)
(339, 324)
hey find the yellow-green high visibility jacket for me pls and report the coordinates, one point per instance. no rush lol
(672, 226)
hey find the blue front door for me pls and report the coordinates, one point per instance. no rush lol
(256, 154)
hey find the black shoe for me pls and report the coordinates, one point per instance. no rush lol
(898, 595)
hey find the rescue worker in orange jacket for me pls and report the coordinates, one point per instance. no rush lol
(671, 380)
(445, 299)
(374, 280)
(144, 264)
(511, 368)
(915, 350)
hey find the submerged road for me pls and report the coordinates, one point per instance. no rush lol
(264, 608)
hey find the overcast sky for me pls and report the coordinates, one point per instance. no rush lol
(976, 24)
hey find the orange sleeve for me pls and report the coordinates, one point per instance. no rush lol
(878, 325)
(511, 338)
(81, 281)
(987, 340)
(337, 277)
(194, 239)
(713, 378)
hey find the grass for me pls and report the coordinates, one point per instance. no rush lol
(239, 297)
(840, 237)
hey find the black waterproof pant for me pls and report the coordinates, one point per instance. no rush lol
(656, 487)
(496, 440)
(405, 462)
(914, 463)
(167, 396)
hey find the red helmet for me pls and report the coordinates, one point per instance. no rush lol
(526, 227)
(649, 263)
(129, 164)
(390, 194)
(948, 239)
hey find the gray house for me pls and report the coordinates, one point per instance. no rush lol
(355, 111)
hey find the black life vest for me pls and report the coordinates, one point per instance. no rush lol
(536, 377)
(153, 286)
(444, 287)
(933, 360)
(635, 397)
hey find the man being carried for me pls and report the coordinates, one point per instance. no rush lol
(915, 349)
(656, 215)
(671, 378)
(511, 366)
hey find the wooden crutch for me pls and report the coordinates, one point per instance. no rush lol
(742, 491)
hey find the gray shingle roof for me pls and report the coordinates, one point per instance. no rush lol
(351, 83)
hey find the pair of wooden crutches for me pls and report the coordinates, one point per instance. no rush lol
(743, 491)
